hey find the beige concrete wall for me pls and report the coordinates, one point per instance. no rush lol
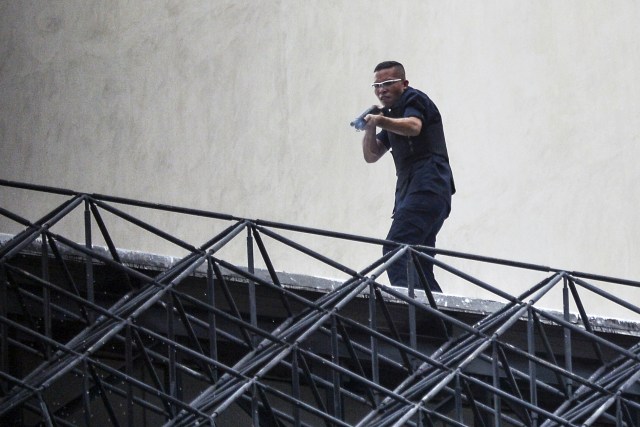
(243, 107)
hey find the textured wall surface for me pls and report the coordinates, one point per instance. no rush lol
(243, 107)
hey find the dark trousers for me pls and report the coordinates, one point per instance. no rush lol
(416, 221)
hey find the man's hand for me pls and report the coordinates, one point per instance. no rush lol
(372, 120)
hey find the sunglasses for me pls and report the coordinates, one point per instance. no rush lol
(385, 83)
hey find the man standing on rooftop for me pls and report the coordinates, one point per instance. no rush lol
(411, 127)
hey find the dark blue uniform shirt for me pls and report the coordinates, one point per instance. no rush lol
(422, 161)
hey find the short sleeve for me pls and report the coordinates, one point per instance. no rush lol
(412, 111)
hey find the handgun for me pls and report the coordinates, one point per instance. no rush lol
(359, 123)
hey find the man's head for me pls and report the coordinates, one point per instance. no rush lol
(389, 82)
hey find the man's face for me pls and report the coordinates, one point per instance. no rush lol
(390, 92)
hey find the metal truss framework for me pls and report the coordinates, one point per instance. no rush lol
(139, 348)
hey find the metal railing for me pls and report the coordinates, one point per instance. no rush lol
(88, 339)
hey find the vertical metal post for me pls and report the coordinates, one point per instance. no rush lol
(411, 285)
(86, 390)
(46, 294)
(88, 261)
(211, 299)
(458, 400)
(567, 336)
(128, 358)
(173, 386)
(497, 410)
(295, 386)
(373, 324)
(4, 330)
(253, 306)
(531, 348)
(335, 358)
(255, 409)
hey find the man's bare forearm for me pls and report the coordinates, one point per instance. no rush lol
(372, 149)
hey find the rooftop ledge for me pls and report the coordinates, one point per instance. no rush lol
(453, 303)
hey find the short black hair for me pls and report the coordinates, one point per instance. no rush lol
(391, 64)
